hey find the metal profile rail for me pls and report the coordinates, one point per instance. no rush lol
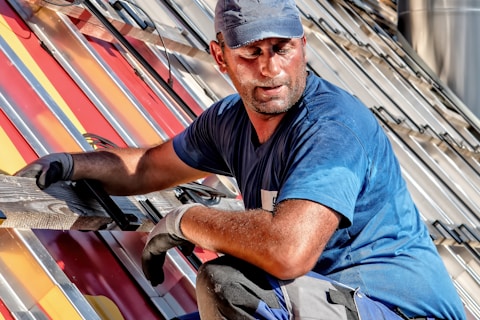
(171, 60)
(466, 208)
(193, 76)
(355, 28)
(463, 187)
(402, 51)
(408, 100)
(359, 81)
(343, 53)
(16, 113)
(351, 27)
(461, 157)
(176, 296)
(41, 147)
(116, 83)
(469, 252)
(155, 103)
(444, 120)
(317, 10)
(419, 128)
(419, 79)
(184, 10)
(324, 48)
(183, 118)
(469, 235)
(22, 256)
(463, 276)
(368, 35)
(71, 44)
(139, 57)
(109, 94)
(433, 201)
(199, 14)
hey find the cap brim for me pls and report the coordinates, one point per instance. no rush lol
(263, 29)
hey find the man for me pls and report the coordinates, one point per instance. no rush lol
(330, 230)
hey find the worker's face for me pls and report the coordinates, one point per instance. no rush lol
(269, 74)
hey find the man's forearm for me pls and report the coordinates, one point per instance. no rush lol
(277, 243)
(116, 169)
(242, 234)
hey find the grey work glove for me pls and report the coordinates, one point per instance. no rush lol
(49, 169)
(165, 235)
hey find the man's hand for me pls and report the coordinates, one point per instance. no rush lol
(165, 235)
(49, 169)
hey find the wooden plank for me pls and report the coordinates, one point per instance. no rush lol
(63, 207)
(57, 207)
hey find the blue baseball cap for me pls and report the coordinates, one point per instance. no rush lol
(245, 21)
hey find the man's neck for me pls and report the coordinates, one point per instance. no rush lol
(265, 125)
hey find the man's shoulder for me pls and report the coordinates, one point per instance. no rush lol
(318, 84)
(224, 108)
(322, 92)
(326, 100)
(220, 116)
(226, 103)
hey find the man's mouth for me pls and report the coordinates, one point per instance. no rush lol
(270, 90)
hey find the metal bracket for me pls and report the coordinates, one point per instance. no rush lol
(195, 192)
(126, 222)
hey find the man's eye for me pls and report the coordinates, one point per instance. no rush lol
(282, 50)
(251, 54)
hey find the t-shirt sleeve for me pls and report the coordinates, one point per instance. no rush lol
(328, 166)
(199, 145)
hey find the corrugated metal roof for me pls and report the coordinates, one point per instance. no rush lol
(72, 70)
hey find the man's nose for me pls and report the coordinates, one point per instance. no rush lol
(270, 64)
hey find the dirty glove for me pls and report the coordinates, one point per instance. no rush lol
(165, 235)
(49, 169)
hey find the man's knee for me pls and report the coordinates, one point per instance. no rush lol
(208, 277)
(222, 282)
(232, 287)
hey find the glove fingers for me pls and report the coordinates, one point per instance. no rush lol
(51, 175)
(153, 255)
(30, 171)
(187, 248)
(49, 169)
(152, 267)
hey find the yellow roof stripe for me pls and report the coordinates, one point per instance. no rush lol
(12, 39)
(11, 161)
(24, 271)
(57, 306)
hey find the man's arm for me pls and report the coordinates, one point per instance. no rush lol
(122, 171)
(285, 244)
(129, 171)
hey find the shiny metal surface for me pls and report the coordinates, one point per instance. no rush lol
(18, 114)
(32, 285)
(445, 34)
(345, 45)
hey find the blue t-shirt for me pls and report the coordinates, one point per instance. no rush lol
(329, 148)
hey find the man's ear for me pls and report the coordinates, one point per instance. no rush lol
(304, 43)
(217, 54)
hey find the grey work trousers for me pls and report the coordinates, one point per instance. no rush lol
(229, 288)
